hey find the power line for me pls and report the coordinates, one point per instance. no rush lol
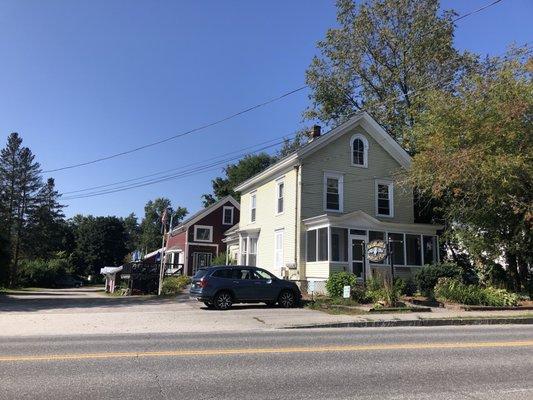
(191, 171)
(197, 129)
(205, 126)
(215, 165)
(172, 169)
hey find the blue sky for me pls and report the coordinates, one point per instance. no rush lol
(81, 80)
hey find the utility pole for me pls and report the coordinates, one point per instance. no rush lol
(162, 264)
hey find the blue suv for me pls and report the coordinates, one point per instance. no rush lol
(221, 286)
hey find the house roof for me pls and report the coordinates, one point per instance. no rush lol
(202, 213)
(361, 118)
(361, 219)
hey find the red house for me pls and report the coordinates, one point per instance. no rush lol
(198, 239)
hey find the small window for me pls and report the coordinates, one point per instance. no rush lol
(223, 273)
(429, 250)
(339, 241)
(359, 145)
(317, 245)
(397, 248)
(252, 254)
(203, 233)
(384, 199)
(227, 215)
(279, 196)
(253, 206)
(311, 246)
(333, 192)
(413, 246)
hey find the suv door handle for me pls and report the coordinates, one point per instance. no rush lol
(235, 281)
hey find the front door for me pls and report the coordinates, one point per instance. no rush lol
(200, 260)
(357, 257)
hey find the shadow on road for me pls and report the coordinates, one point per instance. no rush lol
(46, 301)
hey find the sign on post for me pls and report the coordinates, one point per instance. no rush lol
(346, 292)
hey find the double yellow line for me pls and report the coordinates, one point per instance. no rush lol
(267, 350)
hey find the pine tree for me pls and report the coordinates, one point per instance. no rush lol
(20, 183)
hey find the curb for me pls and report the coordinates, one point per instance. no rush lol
(418, 322)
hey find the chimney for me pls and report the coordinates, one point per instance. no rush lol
(315, 132)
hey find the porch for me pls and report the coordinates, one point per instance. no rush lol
(335, 243)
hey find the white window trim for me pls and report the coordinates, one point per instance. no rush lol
(210, 228)
(253, 195)
(390, 184)
(276, 233)
(365, 144)
(279, 182)
(224, 213)
(340, 178)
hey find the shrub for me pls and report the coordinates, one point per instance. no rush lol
(359, 294)
(455, 291)
(221, 260)
(383, 290)
(426, 278)
(336, 282)
(410, 288)
(42, 272)
(174, 284)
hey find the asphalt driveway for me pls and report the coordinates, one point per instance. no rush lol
(90, 311)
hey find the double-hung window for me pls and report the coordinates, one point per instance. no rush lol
(227, 215)
(278, 252)
(253, 206)
(280, 189)
(359, 151)
(333, 191)
(384, 199)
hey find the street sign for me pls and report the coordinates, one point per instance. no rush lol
(377, 251)
(346, 292)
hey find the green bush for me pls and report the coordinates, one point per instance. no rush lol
(336, 282)
(427, 277)
(221, 260)
(455, 291)
(358, 294)
(42, 272)
(379, 289)
(174, 284)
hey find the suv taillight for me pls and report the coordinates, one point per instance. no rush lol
(202, 283)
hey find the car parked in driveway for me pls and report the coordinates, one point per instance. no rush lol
(67, 281)
(221, 286)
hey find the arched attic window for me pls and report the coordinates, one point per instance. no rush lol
(359, 145)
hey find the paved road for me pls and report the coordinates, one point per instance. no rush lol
(387, 363)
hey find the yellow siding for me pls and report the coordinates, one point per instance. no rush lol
(317, 270)
(269, 221)
(359, 193)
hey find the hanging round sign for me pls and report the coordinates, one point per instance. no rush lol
(376, 251)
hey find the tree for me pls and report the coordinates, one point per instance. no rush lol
(151, 226)
(45, 226)
(237, 173)
(20, 182)
(383, 52)
(476, 158)
(301, 137)
(133, 232)
(100, 242)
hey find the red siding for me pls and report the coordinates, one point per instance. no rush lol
(177, 240)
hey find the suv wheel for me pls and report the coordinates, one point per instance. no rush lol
(287, 299)
(223, 301)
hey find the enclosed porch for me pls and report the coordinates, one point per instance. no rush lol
(339, 243)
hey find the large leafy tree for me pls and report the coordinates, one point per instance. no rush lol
(235, 174)
(151, 226)
(476, 159)
(381, 57)
(133, 231)
(100, 242)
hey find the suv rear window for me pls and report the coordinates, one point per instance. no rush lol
(200, 274)
(222, 273)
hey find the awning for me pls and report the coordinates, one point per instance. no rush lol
(110, 270)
